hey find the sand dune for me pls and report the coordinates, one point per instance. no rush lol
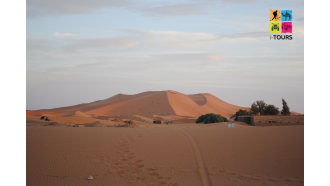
(149, 104)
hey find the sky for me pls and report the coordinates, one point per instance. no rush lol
(80, 51)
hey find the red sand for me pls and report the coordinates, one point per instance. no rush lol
(183, 154)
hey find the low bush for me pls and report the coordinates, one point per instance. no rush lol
(211, 118)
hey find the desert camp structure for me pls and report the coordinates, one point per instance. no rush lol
(158, 121)
(272, 120)
(44, 118)
(130, 123)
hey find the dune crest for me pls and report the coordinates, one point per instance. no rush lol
(81, 114)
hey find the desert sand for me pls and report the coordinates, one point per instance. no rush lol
(93, 140)
(186, 154)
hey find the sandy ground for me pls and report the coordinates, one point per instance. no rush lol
(177, 154)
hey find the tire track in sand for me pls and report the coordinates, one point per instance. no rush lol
(206, 181)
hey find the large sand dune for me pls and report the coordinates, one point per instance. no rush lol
(149, 104)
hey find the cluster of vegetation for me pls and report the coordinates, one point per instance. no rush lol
(264, 109)
(211, 118)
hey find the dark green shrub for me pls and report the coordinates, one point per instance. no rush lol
(258, 107)
(285, 109)
(211, 118)
(271, 110)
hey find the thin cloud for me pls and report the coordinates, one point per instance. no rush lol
(101, 43)
(240, 1)
(59, 35)
(154, 41)
(183, 9)
(37, 8)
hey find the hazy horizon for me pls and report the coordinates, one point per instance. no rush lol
(83, 51)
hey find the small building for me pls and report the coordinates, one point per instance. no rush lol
(44, 118)
(272, 120)
(167, 122)
(158, 121)
(130, 123)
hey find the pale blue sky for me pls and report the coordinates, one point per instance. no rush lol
(82, 51)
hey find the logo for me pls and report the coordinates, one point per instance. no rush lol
(280, 24)
(275, 15)
(275, 27)
(286, 27)
(286, 15)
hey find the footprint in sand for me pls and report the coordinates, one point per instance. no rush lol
(135, 169)
(155, 174)
(138, 161)
(140, 178)
(120, 172)
(232, 173)
(162, 183)
(130, 157)
(139, 166)
(271, 179)
(150, 169)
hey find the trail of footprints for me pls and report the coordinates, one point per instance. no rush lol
(134, 170)
(256, 180)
